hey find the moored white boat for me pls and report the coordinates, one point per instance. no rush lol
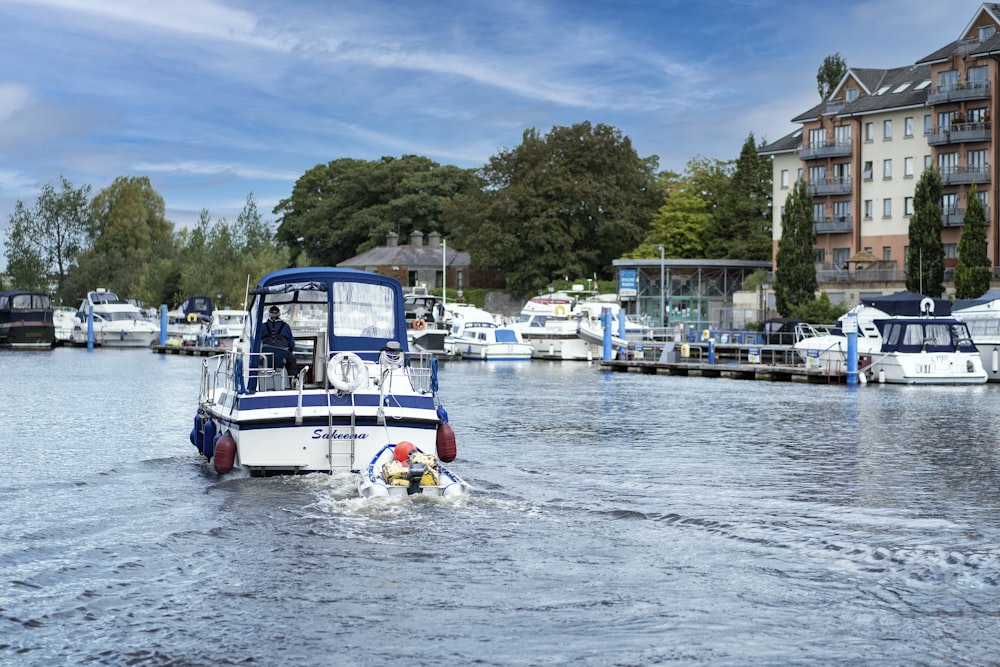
(189, 323)
(226, 326)
(480, 337)
(902, 338)
(116, 322)
(358, 388)
(982, 315)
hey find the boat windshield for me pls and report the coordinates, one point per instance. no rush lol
(363, 309)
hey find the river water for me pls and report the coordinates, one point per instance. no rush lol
(618, 519)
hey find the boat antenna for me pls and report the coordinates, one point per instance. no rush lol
(246, 295)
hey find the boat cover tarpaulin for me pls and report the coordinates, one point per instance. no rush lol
(962, 304)
(905, 304)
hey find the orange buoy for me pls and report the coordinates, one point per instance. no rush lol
(403, 449)
(225, 454)
(446, 448)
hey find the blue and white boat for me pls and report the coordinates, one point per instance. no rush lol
(477, 336)
(358, 389)
(902, 338)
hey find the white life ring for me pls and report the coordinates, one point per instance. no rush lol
(927, 306)
(346, 371)
(560, 309)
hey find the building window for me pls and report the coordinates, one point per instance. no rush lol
(907, 206)
(927, 124)
(784, 179)
(986, 31)
(908, 167)
(842, 211)
(949, 204)
(886, 169)
(851, 94)
(840, 257)
(819, 254)
(869, 208)
(887, 208)
(928, 162)
(951, 251)
(908, 127)
(798, 176)
(866, 173)
(817, 138)
(819, 212)
(887, 130)
(977, 160)
(946, 80)
(887, 253)
(978, 76)
(977, 115)
(817, 174)
(869, 132)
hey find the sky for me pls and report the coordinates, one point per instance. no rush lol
(216, 99)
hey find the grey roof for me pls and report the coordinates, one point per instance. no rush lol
(787, 144)
(970, 46)
(895, 95)
(407, 255)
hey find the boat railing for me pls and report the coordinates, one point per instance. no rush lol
(804, 330)
(227, 369)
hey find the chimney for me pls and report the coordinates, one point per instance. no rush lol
(434, 240)
(417, 239)
(391, 239)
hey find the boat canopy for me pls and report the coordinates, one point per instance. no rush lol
(359, 311)
(905, 304)
(925, 335)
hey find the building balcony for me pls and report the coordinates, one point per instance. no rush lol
(961, 133)
(830, 186)
(824, 150)
(958, 92)
(838, 224)
(963, 175)
(955, 217)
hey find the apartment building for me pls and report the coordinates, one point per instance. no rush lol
(862, 151)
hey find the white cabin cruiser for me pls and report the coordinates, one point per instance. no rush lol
(116, 322)
(226, 326)
(478, 336)
(358, 389)
(982, 315)
(902, 338)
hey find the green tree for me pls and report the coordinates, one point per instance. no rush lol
(25, 264)
(49, 237)
(925, 255)
(741, 227)
(795, 276)
(128, 231)
(679, 225)
(347, 206)
(973, 270)
(829, 75)
(566, 204)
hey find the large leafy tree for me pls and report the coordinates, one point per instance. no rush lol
(347, 206)
(128, 232)
(46, 239)
(925, 254)
(795, 276)
(680, 223)
(829, 74)
(741, 226)
(563, 205)
(973, 270)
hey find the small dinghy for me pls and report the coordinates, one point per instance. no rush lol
(402, 470)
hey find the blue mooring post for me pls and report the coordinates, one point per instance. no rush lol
(851, 329)
(90, 329)
(711, 349)
(163, 324)
(606, 321)
(621, 324)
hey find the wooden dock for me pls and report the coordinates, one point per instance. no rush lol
(187, 350)
(776, 363)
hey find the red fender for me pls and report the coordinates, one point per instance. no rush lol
(225, 454)
(446, 449)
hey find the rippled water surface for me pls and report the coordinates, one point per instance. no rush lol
(618, 519)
